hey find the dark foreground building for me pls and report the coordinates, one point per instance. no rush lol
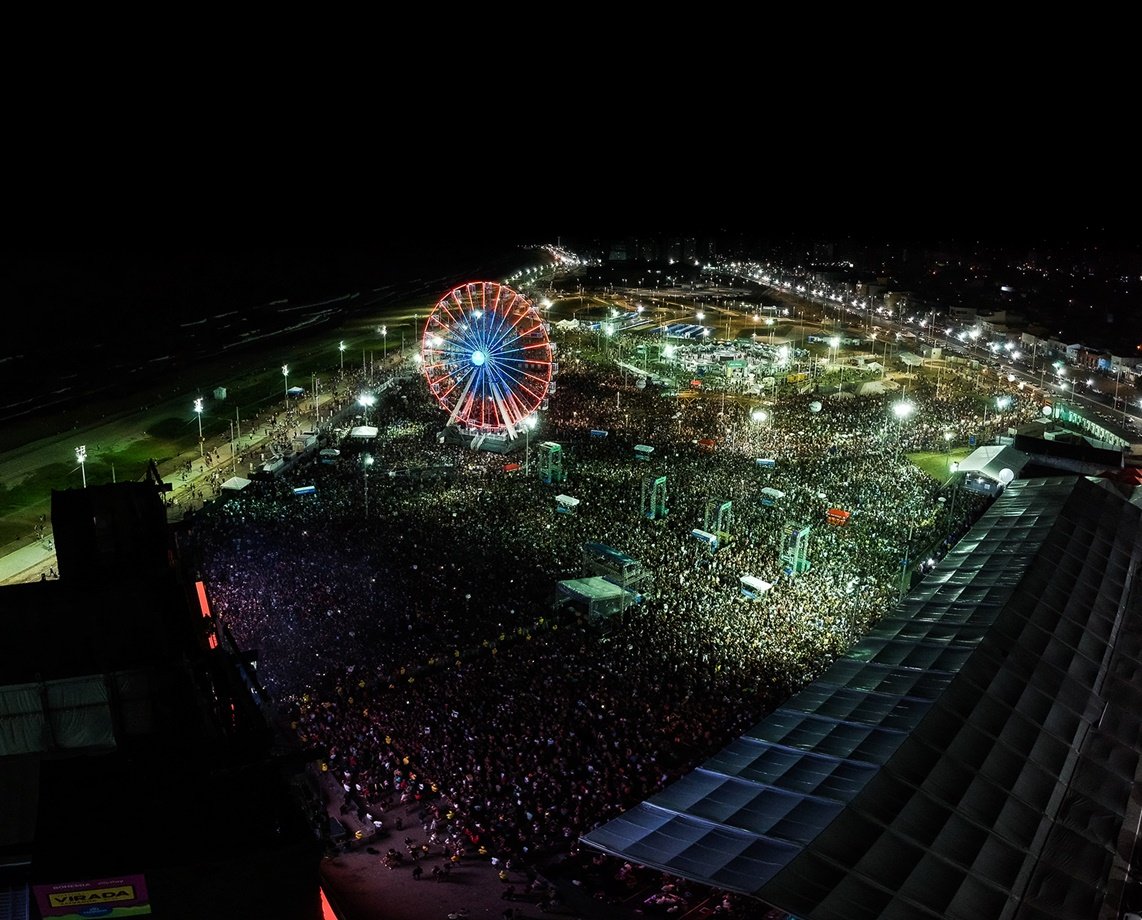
(140, 770)
(976, 756)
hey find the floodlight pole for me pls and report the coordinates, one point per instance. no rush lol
(367, 461)
(198, 412)
(904, 570)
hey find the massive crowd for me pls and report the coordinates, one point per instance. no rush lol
(415, 641)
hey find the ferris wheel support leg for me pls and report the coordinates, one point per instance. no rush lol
(460, 401)
(513, 433)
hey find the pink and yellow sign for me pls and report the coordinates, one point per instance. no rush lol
(125, 896)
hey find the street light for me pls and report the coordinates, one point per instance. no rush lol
(759, 415)
(341, 348)
(385, 340)
(198, 411)
(367, 400)
(285, 375)
(366, 462)
(81, 457)
(528, 425)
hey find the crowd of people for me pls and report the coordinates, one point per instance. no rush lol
(415, 640)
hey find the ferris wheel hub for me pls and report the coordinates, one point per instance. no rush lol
(478, 358)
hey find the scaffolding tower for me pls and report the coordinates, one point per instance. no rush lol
(795, 548)
(654, 498)
(551, 463)
(719, 517)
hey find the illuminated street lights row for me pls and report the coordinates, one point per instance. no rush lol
(366, 400)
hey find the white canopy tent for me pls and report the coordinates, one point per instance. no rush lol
(566, 503)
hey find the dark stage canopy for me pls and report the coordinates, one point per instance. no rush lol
(972, 757)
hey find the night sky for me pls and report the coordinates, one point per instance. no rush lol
(108, 248)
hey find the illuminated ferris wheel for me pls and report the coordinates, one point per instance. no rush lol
(487, 357)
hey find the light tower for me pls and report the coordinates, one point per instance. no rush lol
(367, 400)
(285, 374)
(198, 412)
(528, 425)
(81, 457)
(366, 462)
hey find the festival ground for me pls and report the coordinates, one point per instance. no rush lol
(360, 884)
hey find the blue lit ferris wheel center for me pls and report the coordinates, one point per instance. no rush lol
(478, 358)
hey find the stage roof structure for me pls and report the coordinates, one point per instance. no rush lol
(973, 756)
(599, 596)
(991, 460)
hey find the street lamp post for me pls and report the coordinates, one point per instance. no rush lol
(902, 410)
(367, 461)
(285, 375)
(955, 489)
(341, 348)
(528, 424)
(81, 457)
(198, 412)
(904, 566)
(367, 400)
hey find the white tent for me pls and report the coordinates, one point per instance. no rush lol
(364, 432)
(566, 503)
(235, 484)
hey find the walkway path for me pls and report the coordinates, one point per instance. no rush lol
(36, 559)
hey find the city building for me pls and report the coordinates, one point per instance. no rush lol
(142, 769)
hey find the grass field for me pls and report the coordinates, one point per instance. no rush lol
(171, 434)
(937, 463)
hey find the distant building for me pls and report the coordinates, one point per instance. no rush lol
(137, 759)
(964, 316)
(1070, 439)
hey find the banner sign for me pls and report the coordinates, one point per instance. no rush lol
(125, 896)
